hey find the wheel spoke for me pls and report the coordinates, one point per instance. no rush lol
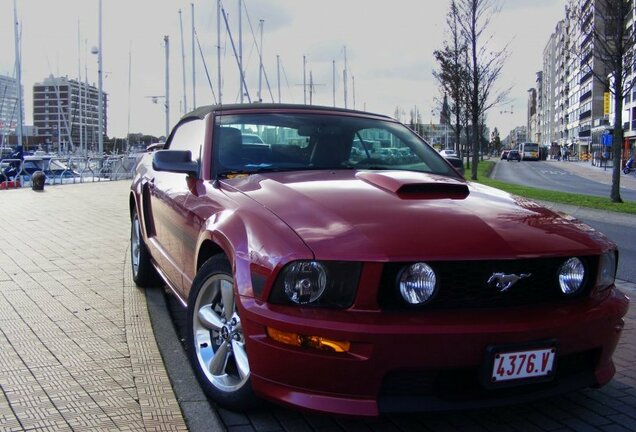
(219, 361)
(135, 244)
(209, 318)
(240, 356)
(227, 296)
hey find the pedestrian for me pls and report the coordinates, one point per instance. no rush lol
(558, 156)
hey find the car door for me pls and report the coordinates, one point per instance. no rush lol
(168, 203)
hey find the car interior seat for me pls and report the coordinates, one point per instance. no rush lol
(329, 151)
(230, 143)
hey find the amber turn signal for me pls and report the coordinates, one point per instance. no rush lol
(316, 342)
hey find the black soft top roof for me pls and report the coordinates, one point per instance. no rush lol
(202, 111)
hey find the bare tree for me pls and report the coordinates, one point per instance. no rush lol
(485, 66)
(612, 43)
(452, 74)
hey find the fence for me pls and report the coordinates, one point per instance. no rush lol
(66, 170)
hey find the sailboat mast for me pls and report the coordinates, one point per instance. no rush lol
(260, 67)
(260, 64)
(79, 85)
(185, 98)
(129, 92)
(100, 101)
(305, 80)
(353, 85)
(18, 67)
(240, 24)
(333, 80)
(167, 90)
(218, 48)
(194, 85)
(344, 77)
(278, 74)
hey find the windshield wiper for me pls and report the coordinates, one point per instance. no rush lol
(229, 173)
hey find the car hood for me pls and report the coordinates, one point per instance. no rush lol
(401, 215)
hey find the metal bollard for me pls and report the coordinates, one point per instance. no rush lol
(37, 181)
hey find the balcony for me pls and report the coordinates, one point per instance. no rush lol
(586, 58)
(585, 77)
(587, 39)
(586, 114)
(586, 95)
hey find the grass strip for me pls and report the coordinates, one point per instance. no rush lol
(600, 203)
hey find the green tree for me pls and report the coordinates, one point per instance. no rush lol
(484, 66)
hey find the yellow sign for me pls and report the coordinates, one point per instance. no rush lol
(606, 103)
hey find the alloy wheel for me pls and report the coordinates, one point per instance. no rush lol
(218, 336)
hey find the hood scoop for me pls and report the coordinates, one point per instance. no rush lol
(413, 185)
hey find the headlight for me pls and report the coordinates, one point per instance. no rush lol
(417, 283)
(571, 276)
(606, 270)
(317, 283)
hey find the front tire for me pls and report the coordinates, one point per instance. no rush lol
(215, 340)
(143, 273)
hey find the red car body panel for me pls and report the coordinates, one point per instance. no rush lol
(261, 222)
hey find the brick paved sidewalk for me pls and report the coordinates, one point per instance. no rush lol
(77, 350)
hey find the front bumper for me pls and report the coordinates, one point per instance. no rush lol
(423, 361)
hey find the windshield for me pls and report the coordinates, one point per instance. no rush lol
(251, 143)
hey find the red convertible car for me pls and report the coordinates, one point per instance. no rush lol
(340, 264)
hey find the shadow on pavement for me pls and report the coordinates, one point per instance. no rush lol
(612, 408)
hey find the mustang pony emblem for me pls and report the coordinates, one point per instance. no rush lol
(504, 281)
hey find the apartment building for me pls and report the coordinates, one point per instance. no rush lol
(66, 113)
(570, 105)
(9, 105)
(547, 95)
(532, 120)
(629, 107)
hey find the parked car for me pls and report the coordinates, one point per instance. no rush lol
(514, 155)
(248, 138)
(456, 162)
(448, 152)
(367, 286)
(504, 154)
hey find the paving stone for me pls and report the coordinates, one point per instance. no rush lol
(68, 358)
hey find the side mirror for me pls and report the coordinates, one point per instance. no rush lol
(176, 161)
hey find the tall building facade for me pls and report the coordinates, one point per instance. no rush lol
(571, 100)
(629, 105)
(547, 94)
(66, 112)
(9, 105)
(531, 122)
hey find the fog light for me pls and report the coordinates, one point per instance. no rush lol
(571, 275)
(305, 281)
(417, 283)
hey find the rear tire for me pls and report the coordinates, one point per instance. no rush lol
(215, 340)
(143, 272)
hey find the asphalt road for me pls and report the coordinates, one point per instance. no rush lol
(554, 176)
(618, 227)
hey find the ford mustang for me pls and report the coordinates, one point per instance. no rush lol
(339, 264)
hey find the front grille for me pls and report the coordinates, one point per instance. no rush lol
(464, 284)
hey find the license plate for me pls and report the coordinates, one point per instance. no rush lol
(516, 365)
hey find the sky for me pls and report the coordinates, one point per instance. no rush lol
(389, 48)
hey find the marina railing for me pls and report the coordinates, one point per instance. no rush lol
(66, 170)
